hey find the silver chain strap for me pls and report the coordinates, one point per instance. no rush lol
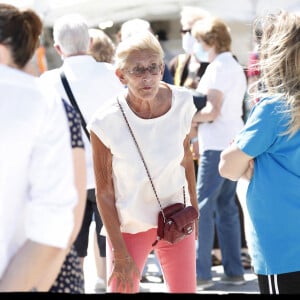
(143, 160)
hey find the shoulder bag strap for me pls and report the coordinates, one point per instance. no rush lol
(143, 160)
(73, 101)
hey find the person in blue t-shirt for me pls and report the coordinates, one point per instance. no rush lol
(266, 152)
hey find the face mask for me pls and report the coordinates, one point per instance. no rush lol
(200, 53)
(188, 42)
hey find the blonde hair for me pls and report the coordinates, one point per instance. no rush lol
(214, 32)
(102, 47)
(142, 41)
(280, 62)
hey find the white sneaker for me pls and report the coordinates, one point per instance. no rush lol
(143, 289)
(100, 285)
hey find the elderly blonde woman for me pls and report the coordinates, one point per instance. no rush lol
(160, 116)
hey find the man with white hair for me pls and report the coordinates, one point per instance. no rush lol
(92, 84)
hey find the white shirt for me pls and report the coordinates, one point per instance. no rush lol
(224, 74)
(161, 142)
(93, 84)
(37, 192)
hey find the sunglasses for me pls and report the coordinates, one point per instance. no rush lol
(184, 31)
(153, 69)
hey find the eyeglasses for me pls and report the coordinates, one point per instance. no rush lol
(184, 31)
(153, 69)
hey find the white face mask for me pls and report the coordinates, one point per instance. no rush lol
(188, 43)
(200, 53)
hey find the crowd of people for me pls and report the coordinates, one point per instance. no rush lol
(114, 135)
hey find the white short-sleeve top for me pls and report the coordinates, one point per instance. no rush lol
(161, 142)
(226, 75)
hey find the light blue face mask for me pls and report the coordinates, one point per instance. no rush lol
(200, 53)
(188, 43)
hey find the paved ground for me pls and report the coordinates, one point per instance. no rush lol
(155, 286)
(250, 287)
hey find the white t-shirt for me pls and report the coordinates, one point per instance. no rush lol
(37, 192)
(93, 84)
(224, 74)
(161, 142)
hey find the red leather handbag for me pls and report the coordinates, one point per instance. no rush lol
(175, 222)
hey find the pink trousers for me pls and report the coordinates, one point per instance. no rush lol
(178, 261)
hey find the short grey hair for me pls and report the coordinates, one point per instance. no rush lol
(71, 33)
(133, 27)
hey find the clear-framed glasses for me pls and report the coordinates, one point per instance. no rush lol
(138, 71)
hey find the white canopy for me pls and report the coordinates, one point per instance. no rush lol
(96, 11)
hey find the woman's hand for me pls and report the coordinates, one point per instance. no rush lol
(249, 172)
(124, 272)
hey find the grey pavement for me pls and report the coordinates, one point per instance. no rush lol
(250, 286)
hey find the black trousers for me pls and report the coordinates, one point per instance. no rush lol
(91, 213)
(287, 283)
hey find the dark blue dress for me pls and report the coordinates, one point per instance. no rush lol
(70, 278)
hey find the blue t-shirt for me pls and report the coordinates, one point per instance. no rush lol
(273, 196)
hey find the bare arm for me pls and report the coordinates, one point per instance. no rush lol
(28, 266)
(235, 164)
(194, 146)
(105, 194)
(124, 267)
(188, 164)
(53, 269)
(212, 108)
(80, 183)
